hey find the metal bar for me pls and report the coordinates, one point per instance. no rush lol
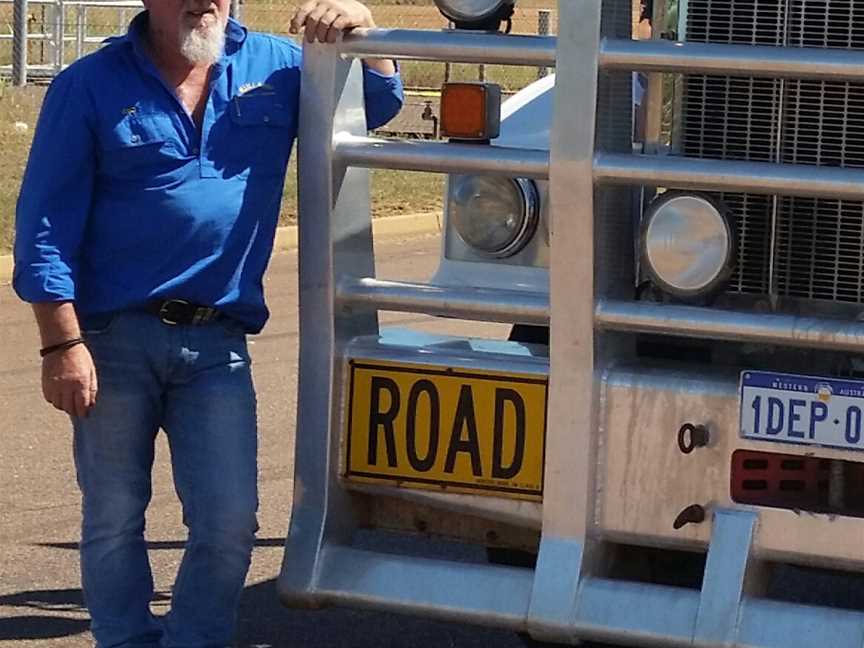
(569, 550)
(58, 40)
(324, 80)
(726, 570)
(610, 611)
(653, 97)
(752, 60)
(723, 175)
(480, 304)
(442, 589)
(80, 29)
(712, 324)
(19, 43)
(30, 36)
(452, 46)
(441, 157)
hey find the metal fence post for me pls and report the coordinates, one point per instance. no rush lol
(544, 18)
(448, 70)
(59, 35)
(80, 29)
(19, 43)
(235, 9)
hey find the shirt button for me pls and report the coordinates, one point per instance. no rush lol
(266, 118)
(135, 139)
(196, 151)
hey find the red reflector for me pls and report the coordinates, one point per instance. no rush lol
(798, 483)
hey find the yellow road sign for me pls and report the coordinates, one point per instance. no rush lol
(446, 429)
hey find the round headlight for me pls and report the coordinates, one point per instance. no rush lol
(495, 216)
(469, 12)
(688, 245)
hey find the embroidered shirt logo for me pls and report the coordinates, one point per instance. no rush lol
(248, 87)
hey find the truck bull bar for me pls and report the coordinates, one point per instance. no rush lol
(566, 596)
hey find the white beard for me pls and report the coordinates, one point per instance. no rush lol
(203, 46)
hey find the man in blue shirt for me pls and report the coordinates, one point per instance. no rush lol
(144, 226)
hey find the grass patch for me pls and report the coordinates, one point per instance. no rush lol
(387, 189)
(18, 111)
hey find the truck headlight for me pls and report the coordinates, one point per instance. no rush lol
(495, 216)
(476, 14)
(687, 244)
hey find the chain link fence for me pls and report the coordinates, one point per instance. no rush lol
(60, 31)
(531, 17)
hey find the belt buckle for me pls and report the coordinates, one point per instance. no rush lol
(165, 316)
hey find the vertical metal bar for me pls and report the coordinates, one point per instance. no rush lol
(19, 43)
(235, 9)
(43, 42)
(335, 240)
(317, 337)
(57, 40)
(62, 40)
(80, 29)
(447, 66)
(572, 328)
(568, 493)
(543, 20)
(729, 571)
(654, 91)
(773, 294)
(122, 22)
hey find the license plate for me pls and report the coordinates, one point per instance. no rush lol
(802, 409)
(447, 429)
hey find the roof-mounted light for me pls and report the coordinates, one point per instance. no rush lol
(476, 14)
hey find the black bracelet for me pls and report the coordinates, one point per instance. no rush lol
(68, 344)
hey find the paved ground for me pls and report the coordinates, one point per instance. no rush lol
(40, 600)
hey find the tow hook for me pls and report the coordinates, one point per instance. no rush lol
(691, 437)
(693, 514)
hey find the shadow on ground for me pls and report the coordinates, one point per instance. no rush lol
(262, 621)
(60, 614)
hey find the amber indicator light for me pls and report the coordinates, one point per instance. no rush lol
(470, 111)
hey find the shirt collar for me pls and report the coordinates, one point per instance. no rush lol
(235, 35)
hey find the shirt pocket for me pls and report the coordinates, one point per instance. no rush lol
(263, 128)
(137, 147)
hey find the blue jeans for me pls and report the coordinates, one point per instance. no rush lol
(195, 383)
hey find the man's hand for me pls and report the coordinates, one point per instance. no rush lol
(323, 20)
(69, 380)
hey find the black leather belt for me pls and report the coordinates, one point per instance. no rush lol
(179, 311)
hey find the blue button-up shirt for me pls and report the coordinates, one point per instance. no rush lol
(125, 201)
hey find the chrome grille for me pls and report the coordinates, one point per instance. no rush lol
(790, 247)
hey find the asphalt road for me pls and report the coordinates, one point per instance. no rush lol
(40, 599)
